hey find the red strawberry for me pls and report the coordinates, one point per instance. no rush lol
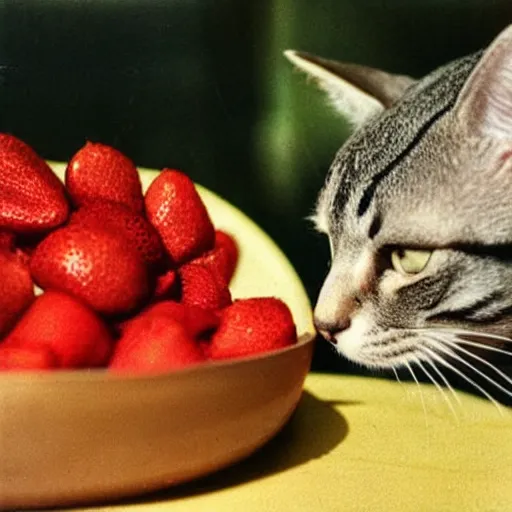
(29, 358)
(197, 321)
(250, 326)
(202, 287)
(7, 239)
(120, 219)
(32, 199)
(223, 257)
(16, 289)
(156, 343)
(95, 265)
(165, 285)
(228, 242)
(174, 207)
(98, 171)
(70, 330)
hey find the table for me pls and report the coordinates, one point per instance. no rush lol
(363, 444)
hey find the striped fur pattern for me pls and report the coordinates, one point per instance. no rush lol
(430, 170)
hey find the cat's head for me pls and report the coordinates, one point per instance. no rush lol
(417, 207)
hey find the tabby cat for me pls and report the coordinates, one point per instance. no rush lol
(417, 210)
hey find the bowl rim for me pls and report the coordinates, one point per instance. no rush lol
(105, 375)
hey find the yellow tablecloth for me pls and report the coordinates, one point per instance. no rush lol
(361, 444)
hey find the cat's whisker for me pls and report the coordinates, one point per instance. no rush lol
(465, 332)
(482, 335)
(411, 371)
(399, 380)
(461, 374)
(442, 346)
(455, 345)
(446, 382)
(462, 341)
(417, 360)
(431, 363)
(455, 336)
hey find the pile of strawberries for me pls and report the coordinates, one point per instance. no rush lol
(136, 283)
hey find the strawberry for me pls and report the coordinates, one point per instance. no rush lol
(223, 257)
(94, 265)
(165, 285)
(228, 243)
(29, 358)
(155, 344)
(16, 289)
(250, 326)
(201, 286)
(98, 171)
(176, 210)
(120, 219)
(196, 321)
(32, 199)
(7, 240)
(65, 326)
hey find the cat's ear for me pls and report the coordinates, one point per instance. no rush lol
(484, 104)
(357, 92)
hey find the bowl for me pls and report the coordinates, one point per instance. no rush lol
(72, 437)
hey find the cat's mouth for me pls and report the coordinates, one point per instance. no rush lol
(365, 344)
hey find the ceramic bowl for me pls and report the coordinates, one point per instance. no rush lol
(79, 436)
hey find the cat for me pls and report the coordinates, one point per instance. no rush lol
(417, 210)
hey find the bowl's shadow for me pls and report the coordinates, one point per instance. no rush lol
(314, 429)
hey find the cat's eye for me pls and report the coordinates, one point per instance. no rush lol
(410, 261)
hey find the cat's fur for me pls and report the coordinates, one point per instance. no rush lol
(429, 166)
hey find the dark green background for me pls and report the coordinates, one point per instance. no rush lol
(203, 86)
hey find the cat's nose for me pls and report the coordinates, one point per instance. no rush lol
(336, 305)
(329, 330)
(332, 317)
